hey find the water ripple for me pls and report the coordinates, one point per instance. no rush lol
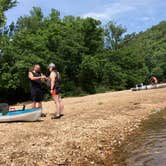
(149, 147)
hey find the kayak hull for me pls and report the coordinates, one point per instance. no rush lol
(29, 115)
(148, 87)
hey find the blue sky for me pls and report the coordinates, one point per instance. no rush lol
(135, 15)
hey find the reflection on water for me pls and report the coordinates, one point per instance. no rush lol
(147, 147)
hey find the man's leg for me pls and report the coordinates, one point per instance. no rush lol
(33, 97)
(39, 98)
(61, 105)
(40, 105)
(34, 104)
(58, 108)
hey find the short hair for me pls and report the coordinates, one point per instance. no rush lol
(36, 65)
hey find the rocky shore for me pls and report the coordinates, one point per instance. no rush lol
(91, 128)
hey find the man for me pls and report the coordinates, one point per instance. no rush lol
(55, 90)
(36, 78)
(154, 80)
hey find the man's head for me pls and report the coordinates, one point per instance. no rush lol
(37, 68)
(51, 67)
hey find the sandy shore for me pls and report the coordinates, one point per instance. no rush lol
(91, 127)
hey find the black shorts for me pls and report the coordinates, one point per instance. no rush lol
(36, 95)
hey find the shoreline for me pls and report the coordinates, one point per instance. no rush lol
(86, 135)
(105, 152)
(140, 141)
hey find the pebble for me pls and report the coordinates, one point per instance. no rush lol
(92, 162)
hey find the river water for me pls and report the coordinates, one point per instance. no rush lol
(147, 147)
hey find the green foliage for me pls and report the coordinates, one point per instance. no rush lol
(4, 6)
(90, 58)
(89, 72)
(114, 34)
(151, 46)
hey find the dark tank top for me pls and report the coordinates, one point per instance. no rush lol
(36, 84)
(57, 80)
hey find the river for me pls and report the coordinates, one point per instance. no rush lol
(147, 147)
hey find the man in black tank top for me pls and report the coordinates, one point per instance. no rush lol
(36, 78)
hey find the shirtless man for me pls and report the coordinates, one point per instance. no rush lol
(154, 80)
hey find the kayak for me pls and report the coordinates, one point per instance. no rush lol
(148, 87)
(27, 115)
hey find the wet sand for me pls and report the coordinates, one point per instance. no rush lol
(92, 126)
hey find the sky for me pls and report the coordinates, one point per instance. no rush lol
(135, 15)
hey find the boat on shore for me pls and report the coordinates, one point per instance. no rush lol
(148, 87)
(27, 115)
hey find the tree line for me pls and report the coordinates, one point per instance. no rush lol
(90, 57)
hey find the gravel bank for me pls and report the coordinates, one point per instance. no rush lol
(90, 129)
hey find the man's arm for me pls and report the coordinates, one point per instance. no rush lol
(31, 77)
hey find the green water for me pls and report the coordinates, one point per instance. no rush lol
(147, 147)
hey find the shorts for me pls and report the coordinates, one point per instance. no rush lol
(36, 95)
(56, 91)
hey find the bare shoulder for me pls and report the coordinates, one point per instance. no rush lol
(52, 74)
(30, 73)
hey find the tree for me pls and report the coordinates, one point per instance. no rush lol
(113, 34)
(93, 35)
(4, 6)
(76, 46)
(89, 73)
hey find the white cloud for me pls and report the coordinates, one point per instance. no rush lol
(118, 7)
(110, 10)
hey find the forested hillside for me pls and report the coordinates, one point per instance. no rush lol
(91, 58)
(151, 45)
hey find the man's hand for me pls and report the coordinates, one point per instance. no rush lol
(51, 92)
(43, 77)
